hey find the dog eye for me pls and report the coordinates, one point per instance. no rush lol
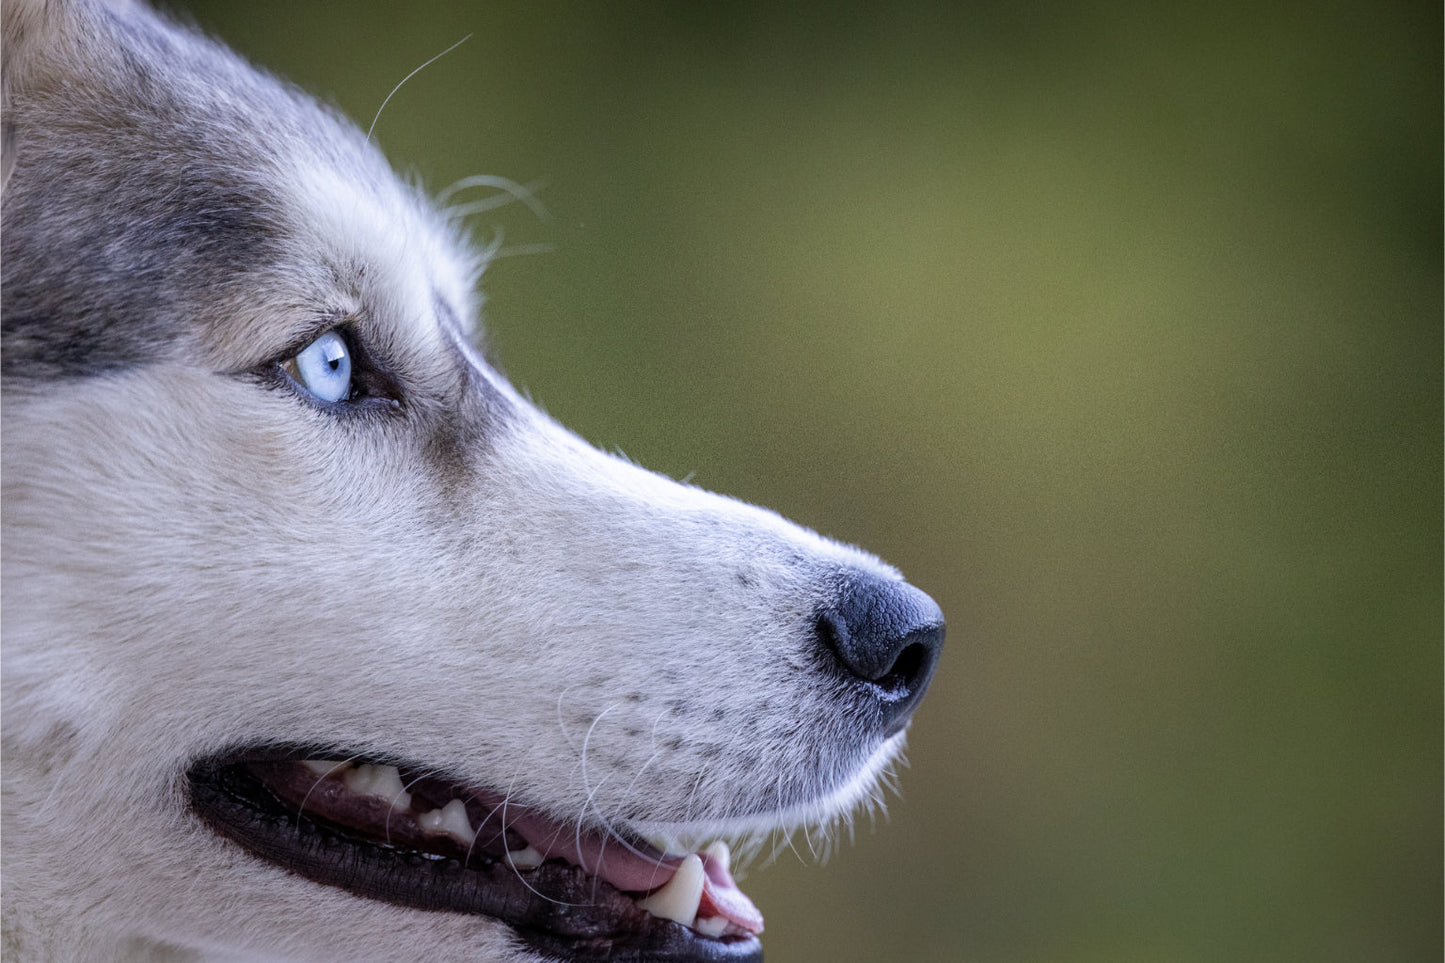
(323, 368)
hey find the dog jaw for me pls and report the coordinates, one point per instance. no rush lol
(199, 558)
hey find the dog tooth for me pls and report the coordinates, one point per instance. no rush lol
(710, 925)
(362, 779)
(664, 844)
(325, 767)
(450, 819)
(718, 852)
(383, 781)
(679, 898)
(359, 779)
(528, 858)
(388, 781)
(455, 822)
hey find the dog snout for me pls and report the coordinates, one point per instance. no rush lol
(886, 637)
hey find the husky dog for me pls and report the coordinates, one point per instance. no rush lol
(320, 642)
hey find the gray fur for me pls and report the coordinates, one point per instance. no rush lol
(143, 200)
(197, 555)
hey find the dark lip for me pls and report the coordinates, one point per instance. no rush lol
(559, 911)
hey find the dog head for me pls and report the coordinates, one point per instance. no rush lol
(321, 641)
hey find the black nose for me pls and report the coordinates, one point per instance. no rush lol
(887, 637)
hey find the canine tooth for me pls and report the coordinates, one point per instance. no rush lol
(664, 844)
(718, 852)
(325, 767)
(679, 898)
(710, 925)
(528, 858)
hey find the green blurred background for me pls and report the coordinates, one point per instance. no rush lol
(1117, 326)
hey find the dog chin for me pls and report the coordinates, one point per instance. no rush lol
(258, 486)
(858, 792)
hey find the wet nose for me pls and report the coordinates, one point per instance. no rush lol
(886, 637)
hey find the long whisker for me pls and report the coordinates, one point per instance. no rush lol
(408, 77)
(509, 190)
(319, 779)
(506, 799)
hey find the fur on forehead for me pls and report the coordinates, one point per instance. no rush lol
(266, 212)
(377, 254)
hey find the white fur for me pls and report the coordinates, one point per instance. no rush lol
(193, 562)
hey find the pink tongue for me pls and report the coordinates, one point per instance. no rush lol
(634, 872)
(721, 897)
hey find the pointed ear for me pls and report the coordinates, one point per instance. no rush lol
(25, 26)
(33, 34)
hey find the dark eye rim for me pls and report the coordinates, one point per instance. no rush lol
(374, 386)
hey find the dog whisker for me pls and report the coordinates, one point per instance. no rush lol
(509, 192)
(506, 801)
(242, 359)
(520, 250)
(408, 77)
(342, 764)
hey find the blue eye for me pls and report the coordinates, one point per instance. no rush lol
(323, 368)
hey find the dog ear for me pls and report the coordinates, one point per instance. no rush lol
(40, 42)
(27, 28)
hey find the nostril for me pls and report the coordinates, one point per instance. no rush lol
(901, 675)
(886, 636)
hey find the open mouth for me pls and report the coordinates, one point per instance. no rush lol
(402, 835)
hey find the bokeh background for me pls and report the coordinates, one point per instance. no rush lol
(1116, 325)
